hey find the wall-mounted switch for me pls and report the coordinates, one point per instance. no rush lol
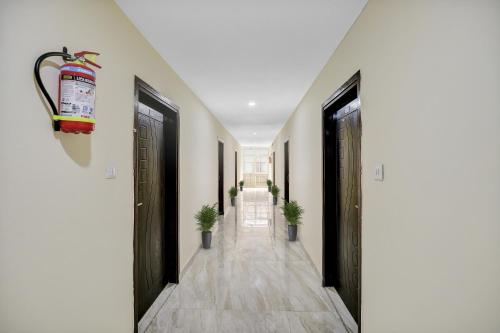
(110, 173)
(379, 172)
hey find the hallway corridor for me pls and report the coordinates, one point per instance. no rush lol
(128, 135)
(251, 280)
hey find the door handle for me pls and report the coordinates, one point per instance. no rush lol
(356, 206)
(139, 204)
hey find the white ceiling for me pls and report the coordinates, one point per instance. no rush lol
(230, 52)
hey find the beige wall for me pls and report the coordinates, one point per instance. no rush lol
(430, 94)
(66, 232)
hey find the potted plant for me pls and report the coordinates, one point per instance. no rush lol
(241, 185)
(293, 213)
(275, 191)
(233, 192)
(205, 218)
(269, 184)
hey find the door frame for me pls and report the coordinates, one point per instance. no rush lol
(220, 178)
(274, 167)
(171, 229)
(286, 170)
(329, 229)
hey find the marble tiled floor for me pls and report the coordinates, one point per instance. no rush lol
(251, 280)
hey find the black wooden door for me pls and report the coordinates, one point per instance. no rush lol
(221, 178)
(349, 166)
(236, 169)
(151, 210)
(287, 171)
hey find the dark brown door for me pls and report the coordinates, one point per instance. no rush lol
(349, 144)
(151, 199)
(342, 194)
(287, 171)
(221, 178)
(156, 214)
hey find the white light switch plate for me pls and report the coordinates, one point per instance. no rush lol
(110, 173)
(379, 172)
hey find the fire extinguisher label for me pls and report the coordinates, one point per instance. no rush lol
(77, 96)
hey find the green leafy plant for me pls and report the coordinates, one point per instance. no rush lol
(292, 212)
(206, 217)
(242, 183)
(275, 191)
(269, 182)
(233, 192)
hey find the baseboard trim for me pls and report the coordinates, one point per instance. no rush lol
(188, 264)
(349, 323)
(150, 315)
(337, 303)
(228, 209)
(310, 260)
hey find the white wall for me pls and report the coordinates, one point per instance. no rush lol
(430, 83)
(66, 233)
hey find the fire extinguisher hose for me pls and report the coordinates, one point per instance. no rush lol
(38, 79)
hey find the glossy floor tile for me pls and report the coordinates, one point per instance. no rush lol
(251, 280)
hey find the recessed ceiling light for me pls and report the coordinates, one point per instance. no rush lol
(254, 133)
(251, 103)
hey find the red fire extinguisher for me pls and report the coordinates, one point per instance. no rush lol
(76, 104)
